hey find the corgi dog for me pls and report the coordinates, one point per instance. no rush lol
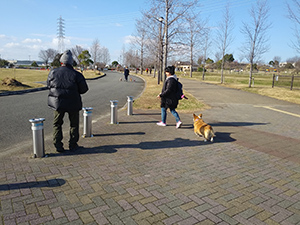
(203, 129)
(120, 79)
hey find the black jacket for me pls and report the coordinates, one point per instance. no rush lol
(65, 87)
(168, 93)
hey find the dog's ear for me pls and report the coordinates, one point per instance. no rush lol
(200, 116)
(195, 117)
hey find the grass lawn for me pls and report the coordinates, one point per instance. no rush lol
(149, 99)
(262, 84)
(31, 78)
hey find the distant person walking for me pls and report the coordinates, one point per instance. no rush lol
(126, 73)
(65, 88)
(168, 97)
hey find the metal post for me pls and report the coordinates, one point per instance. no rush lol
(114, 112)
(37, 127)
(87, 122)
(292, 82)
(129, 105)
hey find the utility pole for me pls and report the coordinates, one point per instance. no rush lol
(166, 34)
(60, 34)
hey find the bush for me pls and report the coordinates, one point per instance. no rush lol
(200, 69)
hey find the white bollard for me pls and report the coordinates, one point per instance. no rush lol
(114, 112)
(129, 105)
(87, 122)
(37, 127)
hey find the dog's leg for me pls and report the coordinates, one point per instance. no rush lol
(199, 135)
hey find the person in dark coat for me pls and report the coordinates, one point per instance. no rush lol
(126, 73)
(65, 86)
(168, 97)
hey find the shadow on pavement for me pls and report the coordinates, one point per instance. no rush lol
(152, 145)
(147, 114)
(235, 124)
(34, 184)
(119, 134)
(86, 151)
(223, 137)
(138, 122)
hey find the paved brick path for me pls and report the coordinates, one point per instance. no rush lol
(138, 173)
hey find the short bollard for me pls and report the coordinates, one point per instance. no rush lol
(114, 112)
(129, 105)
(87, 122)
(37, 126)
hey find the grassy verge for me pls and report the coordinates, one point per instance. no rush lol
(262, 84)
(149, 100)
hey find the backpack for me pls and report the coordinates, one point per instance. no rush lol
(179, 92)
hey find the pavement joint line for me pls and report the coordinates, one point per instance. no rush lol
(278, 110)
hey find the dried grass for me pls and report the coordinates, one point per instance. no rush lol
(149, 100)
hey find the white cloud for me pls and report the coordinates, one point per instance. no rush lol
(2, 36)
(29, 40)
(11, 45)
(129, 39)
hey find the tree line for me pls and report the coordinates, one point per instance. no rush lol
(97, 56)
(173, 29)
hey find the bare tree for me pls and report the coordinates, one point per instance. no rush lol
(131, 58)
(293, 15)
(206, 46)
(76, 51)
(48, 55)
(172, 11)
(256, 33)
(95, 51)
(193, 33)
(140, 41)
(224, 37)
(105, 56)
(276, 60)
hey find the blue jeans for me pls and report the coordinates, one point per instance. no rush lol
(164, 115)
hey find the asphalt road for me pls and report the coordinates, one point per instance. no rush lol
(16, 110)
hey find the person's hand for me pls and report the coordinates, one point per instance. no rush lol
(158, 96)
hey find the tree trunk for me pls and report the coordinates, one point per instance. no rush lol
(250, 75)
(222, 70)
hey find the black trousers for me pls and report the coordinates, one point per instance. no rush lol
(57, 128)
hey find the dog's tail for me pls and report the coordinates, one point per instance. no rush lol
(209, 134)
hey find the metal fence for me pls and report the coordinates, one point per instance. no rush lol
(287, 81)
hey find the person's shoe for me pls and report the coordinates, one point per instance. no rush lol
(60, 150)
(74, 148)
(161, 124)
(178, 124)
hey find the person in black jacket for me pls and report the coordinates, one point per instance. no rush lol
(168, 97)
(126, 73)
(65, 88)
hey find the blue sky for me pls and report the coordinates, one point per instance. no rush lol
(27, 26)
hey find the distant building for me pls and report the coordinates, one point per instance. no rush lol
(25, 62)
(28, 63)
(183, 66)
(282, 64)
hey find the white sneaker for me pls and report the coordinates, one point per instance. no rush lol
(161, 124)
(178, 124)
